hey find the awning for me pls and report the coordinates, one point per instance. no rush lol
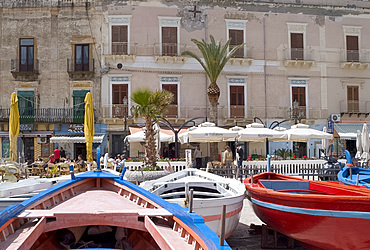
(348, 131)
(134, 130)
(75, 139)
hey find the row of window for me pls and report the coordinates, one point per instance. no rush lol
(27, 58)
(236, 31)
(169, 46)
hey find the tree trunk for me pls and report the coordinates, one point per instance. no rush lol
(150, 148)
(213, 92)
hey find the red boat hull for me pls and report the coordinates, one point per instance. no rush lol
(332, 216)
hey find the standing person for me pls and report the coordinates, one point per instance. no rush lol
(227, 158)
(62, 153)
(198, 157)
(239, 158)
(56, 155)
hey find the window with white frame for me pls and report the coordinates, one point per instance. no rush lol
(120, 96)
(237, 88)
(352, 38)
(298, 93)
(169, 36)
(297, 41)
(236, 31)
(119, 35)
(171, 84)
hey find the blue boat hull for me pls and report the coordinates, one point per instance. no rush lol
(355, 176)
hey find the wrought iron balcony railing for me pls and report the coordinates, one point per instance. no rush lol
(73, 67)
(299, 54)
(46, 115)
(123, 48)
(16, 67)
(169, 49)
(354, 107)
(361, 56)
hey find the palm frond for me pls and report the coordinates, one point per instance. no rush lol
(215, 56)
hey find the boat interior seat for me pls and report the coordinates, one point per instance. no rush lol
(277, 185)
(196, 193)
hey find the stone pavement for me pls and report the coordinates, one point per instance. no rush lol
(241, 239)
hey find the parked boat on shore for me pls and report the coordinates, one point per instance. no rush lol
(326, 215)
(355, 176)
(100, 210)
(210, 193)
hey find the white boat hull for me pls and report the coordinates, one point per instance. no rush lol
(209, 208)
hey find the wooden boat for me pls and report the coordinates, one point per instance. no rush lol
(355, 176)
(17, 192)
(100, 210)
(325, 215)
(210, 193)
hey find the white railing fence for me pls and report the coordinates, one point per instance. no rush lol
(176, 165)
(309, 169)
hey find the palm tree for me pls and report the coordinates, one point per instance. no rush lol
(150, 106)
(215, 57)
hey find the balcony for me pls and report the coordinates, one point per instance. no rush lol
(27, 73)
(354, 108)
(169, 52)
(298, 57)
(355, 59)
(120, 52)
(242, 56)
(237, 111)
(298, 113)
(171, 111)
(46, 115)
(82, 71)
(119, 110)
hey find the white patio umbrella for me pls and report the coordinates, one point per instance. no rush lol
(325, 142)
(256, 132)
(140, 137)
(207, 132)
(302, 132)
(358, 145)
(235, 129)
(365, 143)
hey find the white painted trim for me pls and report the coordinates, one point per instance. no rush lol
(245, 94)
(306, 93)
(352, 31)
(299, 28)
(111, 91)
(235, 24)
(178, 90)
(126, 20)
(169, 22)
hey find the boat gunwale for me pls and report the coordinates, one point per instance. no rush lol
(188, 220)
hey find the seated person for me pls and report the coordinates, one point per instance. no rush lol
(80, 161)
(38, 161)
(68, 159)
(51, 160)
(121, 164)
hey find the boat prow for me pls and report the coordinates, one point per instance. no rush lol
(96, 203)
(210, 193)
(326, 215)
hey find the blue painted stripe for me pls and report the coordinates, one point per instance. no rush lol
(314, 212)
(193, 221)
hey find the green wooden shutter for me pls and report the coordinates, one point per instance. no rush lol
(26, 101)
(79, 105)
